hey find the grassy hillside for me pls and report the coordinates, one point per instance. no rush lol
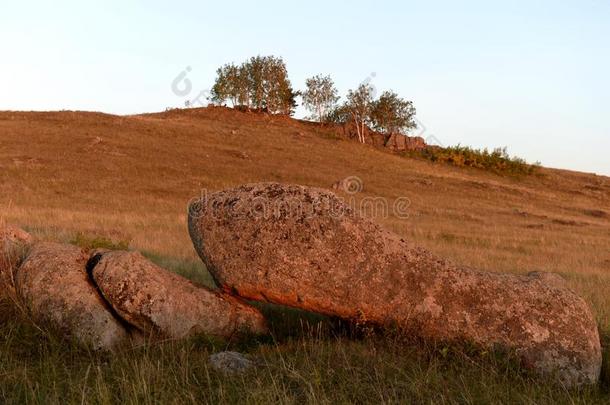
(75, 176)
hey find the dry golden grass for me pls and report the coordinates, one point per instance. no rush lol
(130, 178)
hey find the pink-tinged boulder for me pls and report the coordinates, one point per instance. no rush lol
(53, 285)
(303, 247)
(14, 245)
(159, 302)
(11, 236)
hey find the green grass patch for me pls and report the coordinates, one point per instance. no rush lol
(194, 270)
(89, 242)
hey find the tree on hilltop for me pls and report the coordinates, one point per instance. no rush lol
(339, 114)
(279, 97)
(320, 97)
(359, 104)
(261, 83)
(228, 85)
(255, 69)
(391, 114)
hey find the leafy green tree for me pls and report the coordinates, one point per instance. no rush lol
(261, 82)
(391, 114)
(219, 93)
(279, 97)
(320, 97)
(228, 85)
(288, 99)
(255, 69)
(359, 104)
(338, 115)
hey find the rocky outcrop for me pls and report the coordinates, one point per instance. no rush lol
(396, 142)
(53, 285)
(303, 247)
(161, 303)
(403, 143)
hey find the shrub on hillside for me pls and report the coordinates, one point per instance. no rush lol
(497, 161)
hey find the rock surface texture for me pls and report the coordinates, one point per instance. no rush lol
(53, 284)
(159, 302)
(231, 362)
(303, 247)
(14, 244)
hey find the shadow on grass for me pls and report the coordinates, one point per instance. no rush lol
(605, 376)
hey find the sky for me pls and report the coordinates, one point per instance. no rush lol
(530, 75)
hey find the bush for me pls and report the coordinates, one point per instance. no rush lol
(497, 161)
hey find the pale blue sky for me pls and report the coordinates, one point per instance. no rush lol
(531, 75)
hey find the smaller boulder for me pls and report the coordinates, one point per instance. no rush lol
(159, 302)
(231, 363)
(53, 285)
(14, 244)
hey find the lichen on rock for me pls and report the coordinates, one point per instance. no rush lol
(53, 285)
(304, 247)
(159, 302)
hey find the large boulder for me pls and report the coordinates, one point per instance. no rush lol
(303, 247)
(159, 302)
(53, 285)
(14, 244)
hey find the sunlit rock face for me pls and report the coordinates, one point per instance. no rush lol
(14, 245)
(304, 247)
(52, 283)
(159, 302)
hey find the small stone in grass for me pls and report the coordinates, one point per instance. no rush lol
(231, 362)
